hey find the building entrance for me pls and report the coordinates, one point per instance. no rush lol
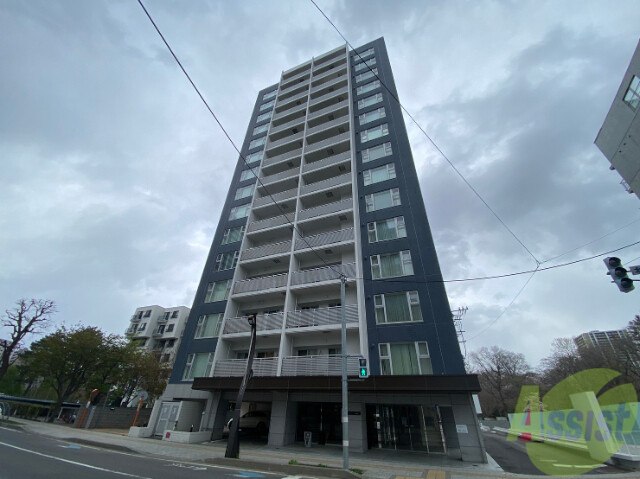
(322, 419)
(405, 427)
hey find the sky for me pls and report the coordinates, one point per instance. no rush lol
(114, 173)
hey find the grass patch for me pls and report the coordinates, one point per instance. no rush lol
(293, 462)
(357, 471)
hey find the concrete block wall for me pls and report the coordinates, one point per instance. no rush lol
(117, 418)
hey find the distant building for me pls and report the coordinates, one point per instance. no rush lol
(158, 330)
(600, 339)
(619, 137)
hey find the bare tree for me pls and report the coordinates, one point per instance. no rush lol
(29, 316)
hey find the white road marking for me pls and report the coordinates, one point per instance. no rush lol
(9, 429)
(73, 462)
(187, 466)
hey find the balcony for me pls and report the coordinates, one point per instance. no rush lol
(325, 239)
(264, 322)
(322, 316)
(342, 137)
(284, 141)
(129, 332)
(260, 284)
(157, 332)
(162, 319)
(283, 175)
(324, 126)
(269, 223)
(296, 122)
(328, 84)
(320, 365)
(321, 210)
(333, 64)
(237, 367)
(276, 197)
(135, 318)
(328, 183)
(325, 273)
(289, 156)
(328, 110)
(323, 79)
(265, 251)
(289, 112)
(328, 95)
(327, 162)
(283, 104)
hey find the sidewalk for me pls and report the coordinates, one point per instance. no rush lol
(378, 464)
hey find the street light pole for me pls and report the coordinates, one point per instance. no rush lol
(345, 391)
(233, 443)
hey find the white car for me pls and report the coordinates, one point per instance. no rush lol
(255, 420)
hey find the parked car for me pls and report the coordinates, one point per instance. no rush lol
(254, 420)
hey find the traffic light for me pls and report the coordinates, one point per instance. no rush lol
(619, 274)
(364, 372)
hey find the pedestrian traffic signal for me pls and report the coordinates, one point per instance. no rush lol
(364, 372)
(619, 274)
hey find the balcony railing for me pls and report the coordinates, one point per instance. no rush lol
(326, 162)
(162, 319)
(335, 61)
(264, 322)
(284, 141)
(266, 250)
(289, 111)
(157, 332)
(277, 197)
(285, 126)
(329, 124)
(319, 365)
(325, 273)
(327, 110)
(135, 318)
(237, 367)
(328, 183)
(322, 316)
(298, 96)
(329, 94)
(329, 141)
(129, 331)
(324, 239)
(329, 208)
(296, 77)
(269, 223)
(260, 284)
(319, 80)
(289, 155)
(283, 175)
(338, 79)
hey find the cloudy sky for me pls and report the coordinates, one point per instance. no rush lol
(113, 172)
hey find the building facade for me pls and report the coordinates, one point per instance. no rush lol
(601, 339)
(327, 187)
(619, 137)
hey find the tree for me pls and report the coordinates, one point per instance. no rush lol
(142, 371)
(502, 373)
(30, 316)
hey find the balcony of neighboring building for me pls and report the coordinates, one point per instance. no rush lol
(266, 325)
(332, 63)
(333, 239)
(237, 367)
(318, 365)
(311, 318)
(274, 204)
(328, 99)
(263, 283)
(341, 162)
(294, 75)
(289, 114)
(279, 162)
(232, 360)
(334, 213)
(327, 128)
(284, 145)
(271, 223)
(136, 318)
(286, 103)
(319, 81)
(281, 181)
(283, 130)
(266, 253)
(323, 274)
(333, 145)
(328, 113)
(293, 89)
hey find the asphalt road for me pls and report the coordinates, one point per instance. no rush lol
(27, 455)
(512, 457)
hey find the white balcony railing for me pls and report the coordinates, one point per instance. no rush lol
(324, 239)
(334, 207)
(129, 331)
(319, 80)
(328, 109)
(285, 126)
(340, 91)
(328, 124)
(237, 367)
(328, 183)
(260, 284)
(325, 273)
(266, 250)
(289, 155)
(326, 162)
(339, 78)
(284, 141)
(322, 316)
(276, 197)
(319, 365)
(283, 175)
(297, 96)
(329, 141)
(289, 111)
(264, 322)
(269, 223)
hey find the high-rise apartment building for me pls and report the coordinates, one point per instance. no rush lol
(327, 187)
(606, 340)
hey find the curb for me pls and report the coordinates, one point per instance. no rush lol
(101, 445)
(289, 469)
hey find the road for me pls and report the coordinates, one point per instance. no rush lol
(512, 457)
(23, 454)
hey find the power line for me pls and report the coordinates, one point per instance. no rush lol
(429, 138)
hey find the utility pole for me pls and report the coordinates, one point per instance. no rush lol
(345, 390)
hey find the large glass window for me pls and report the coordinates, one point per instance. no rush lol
(375, 152)
(388, 229)
(267, 106)
(218, 291)
(260, 129)
(397, 307)
(269, 95)
(632, 97)
(381, 173)
(226, 261)
(372, 116)
(370, 100)
(373, 133)
(368, 87)
(257, 142)
(232, 235)
(254, 157)
(366, 75)
(238, 212)
(364, 54)
(208, 326)
(244, 192)
(263, 117)
(364, 65)
(198, 365)
(391, 265)
(247, 175)
(383, 199)
(405, 358)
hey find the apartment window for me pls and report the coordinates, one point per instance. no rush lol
(391, 265)
(165, 358)
(381, 173)
(267, 106)
(405, 358)
(170, 328)
(269, 95)
(238, 212)
(375, 152)
(366, 75)
(147, 313)
(161, 329)
(368, 87)
(263, 117)
(166, 315)
(373, 133)
(198, 365)
(397, 307)
(247, 175)
(372, 116)
(258, 142)
(383, 199)
(142, 327)
(226, 261)
(632, 97)
(244, 192)
(218, 291)
(233, 234)
(365, 64)
(260, 129)
(208, 326)
(140, 314)
(175, 314)
(388, 229)
(170, 343)
(254, 157)
(370, 100)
